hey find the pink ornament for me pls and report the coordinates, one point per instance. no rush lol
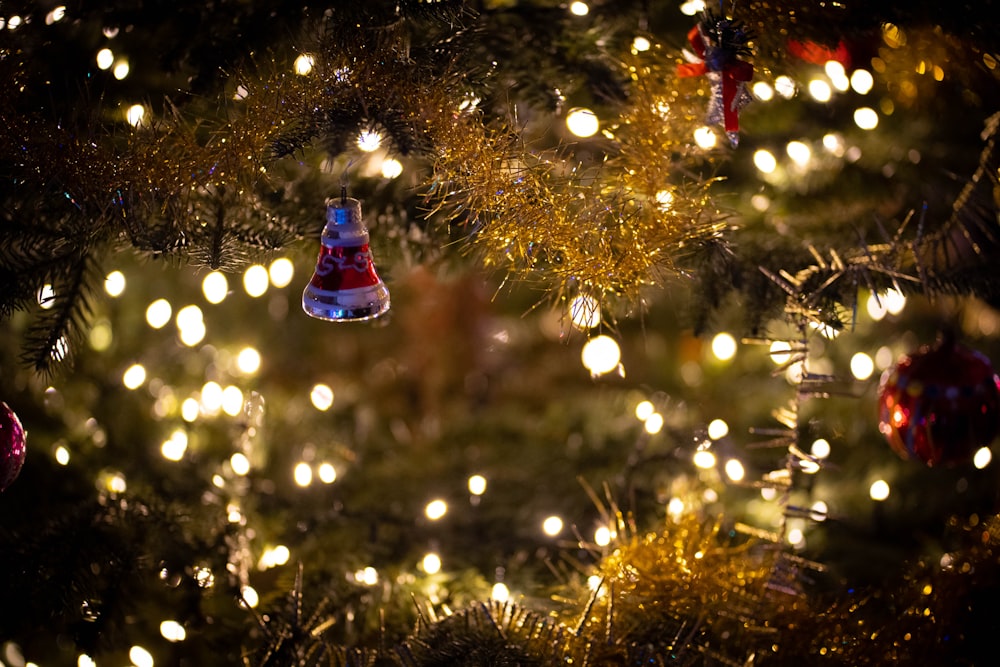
(13, 441)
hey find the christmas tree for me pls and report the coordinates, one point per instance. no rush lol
(687, 356)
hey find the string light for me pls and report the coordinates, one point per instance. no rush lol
(250, 597)
(46, 297)
(862, 366)
(675, 508)
(879, 490)
(303, 64)
(239, 463)
(653, 424)
(114, 283)
(172, 631)
(838, 75)
(134, 376)
(436, 509)
(121, 69)
(582, 122)
(500, 592)
(718, 429)
(327, 473)
(820, 448)
(763, 91)
(862, 81)
(248, 361)
(818, 511)
(281, 271)
(174, 447)
(982, 457)
(135, 113)
(369, 140)
(105, 59)
(431, 563)
(477, 485)
(391, 167)
(764, 160)
(799, 152)
(62, 455)
(866, 118)
(302, 474)
(255, 280)
(158, 313)
(367, 576)
(820, 90)
(600, 355)
(140, 657)
(643, 410)
(724, 346)
(579, 8)
(640, 44)
(734, 470)
(705, 137)
(585, 312)
(552, 526)
(704, 459)
(232, 400)
(215, 287)
(321, 397)
(190, 409)
(784, 86)
(602, 536)
(85, 661)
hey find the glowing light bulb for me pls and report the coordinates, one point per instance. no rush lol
(500, 592)
(248, 361)
(281, 272)
(134, 376)
(211, 397)
(215, 287)
(436, 509)
(190, 410)
(552, 526)
(158, 313)
(862, 81)
(303, 64)
(232, 400)
(602, 536)
(866, 118)
(367, 576)
(734, 470)
(302, 474)
(705, 137)
(431, 563)
(62, 455)
(692, 7)
(765, 161)
(582, 122)
(799, 152)
(879, 490)
(114, 283)
(820, 90)
(820, 448)
(477, 485)
(121, 69)
(105, 59)
(862, 366)
(250, 596)
(763, 91)
(369, 140)
(140, 657)
(239, 463)
(895, 301)
(818, 511)
(653, 424)
(172, 631)
(173, 449)
(321, 397)
(85, 661)
(796, 537)
(640, 44)
(579, 8)
(600, 355)
(643, 410)
(585, 312)
(391, 167)
(704, 459)
(327, 473)
(255, 280)
(724, 346)
(982, 457)
(55, 15)
(134, 114)
(718, 429)
(675, 508)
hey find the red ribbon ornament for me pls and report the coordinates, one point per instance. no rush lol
(734, 75)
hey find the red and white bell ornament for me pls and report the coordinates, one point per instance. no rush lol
(345, 286)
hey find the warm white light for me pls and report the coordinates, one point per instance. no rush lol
(866, 118)
(644, 410)
(211, 397)
(250, 597)
(692, 7)
(391, 167)
(982, 457)
(579, 8)
(304, 64)
(665, 199)
(675, 508)
(62, 455)
(834, 144)
(808, 466)
(321, 396)
(134, 376)
(85, 661)
(585, 312)
(190, 410)
(820, 90)
(764, 160)
(477, 485)
(232, 400)
(552, 526)
(769, 493)
(55, 15)
(326, 473)
(718, 429)
(367, 576)
(818, 511)
(582, 122)
(862, 81)
(734, 470)
(785, 87)
(281, 272)
(780, 351)
(172, 631)
(862, 366)
(255, 280)
(280, 554)
(189, 316)
(46, 297)
(724, 346)
(215, 287)
(115, 482)
(121, 70)
(601, 355)
(105, 59)
(135, 113)
(248, 361)
(879, 490)
(431, 563)
(369, 140)
(140, 657)
(799, 152)
(192, 335)
(796, 537)
(653, 423)
(820, 448)
(158, 313)
(500, 593)
(602, 536)
(640, 44)
(876, 306)
(436, 509)
(302, 474)
(174, 448)
(705, 137)
(114, 283)
(895, 301)
(704, 459)
(763, 91)
(239, 463)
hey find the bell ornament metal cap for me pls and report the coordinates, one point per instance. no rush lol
(345, 286)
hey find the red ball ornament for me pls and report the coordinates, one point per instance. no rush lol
(12, 446)
(939, 404)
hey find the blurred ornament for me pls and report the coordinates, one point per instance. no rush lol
(939, 404)
(819, 54)
(345, 286)
(12, 446)
(718, 42)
